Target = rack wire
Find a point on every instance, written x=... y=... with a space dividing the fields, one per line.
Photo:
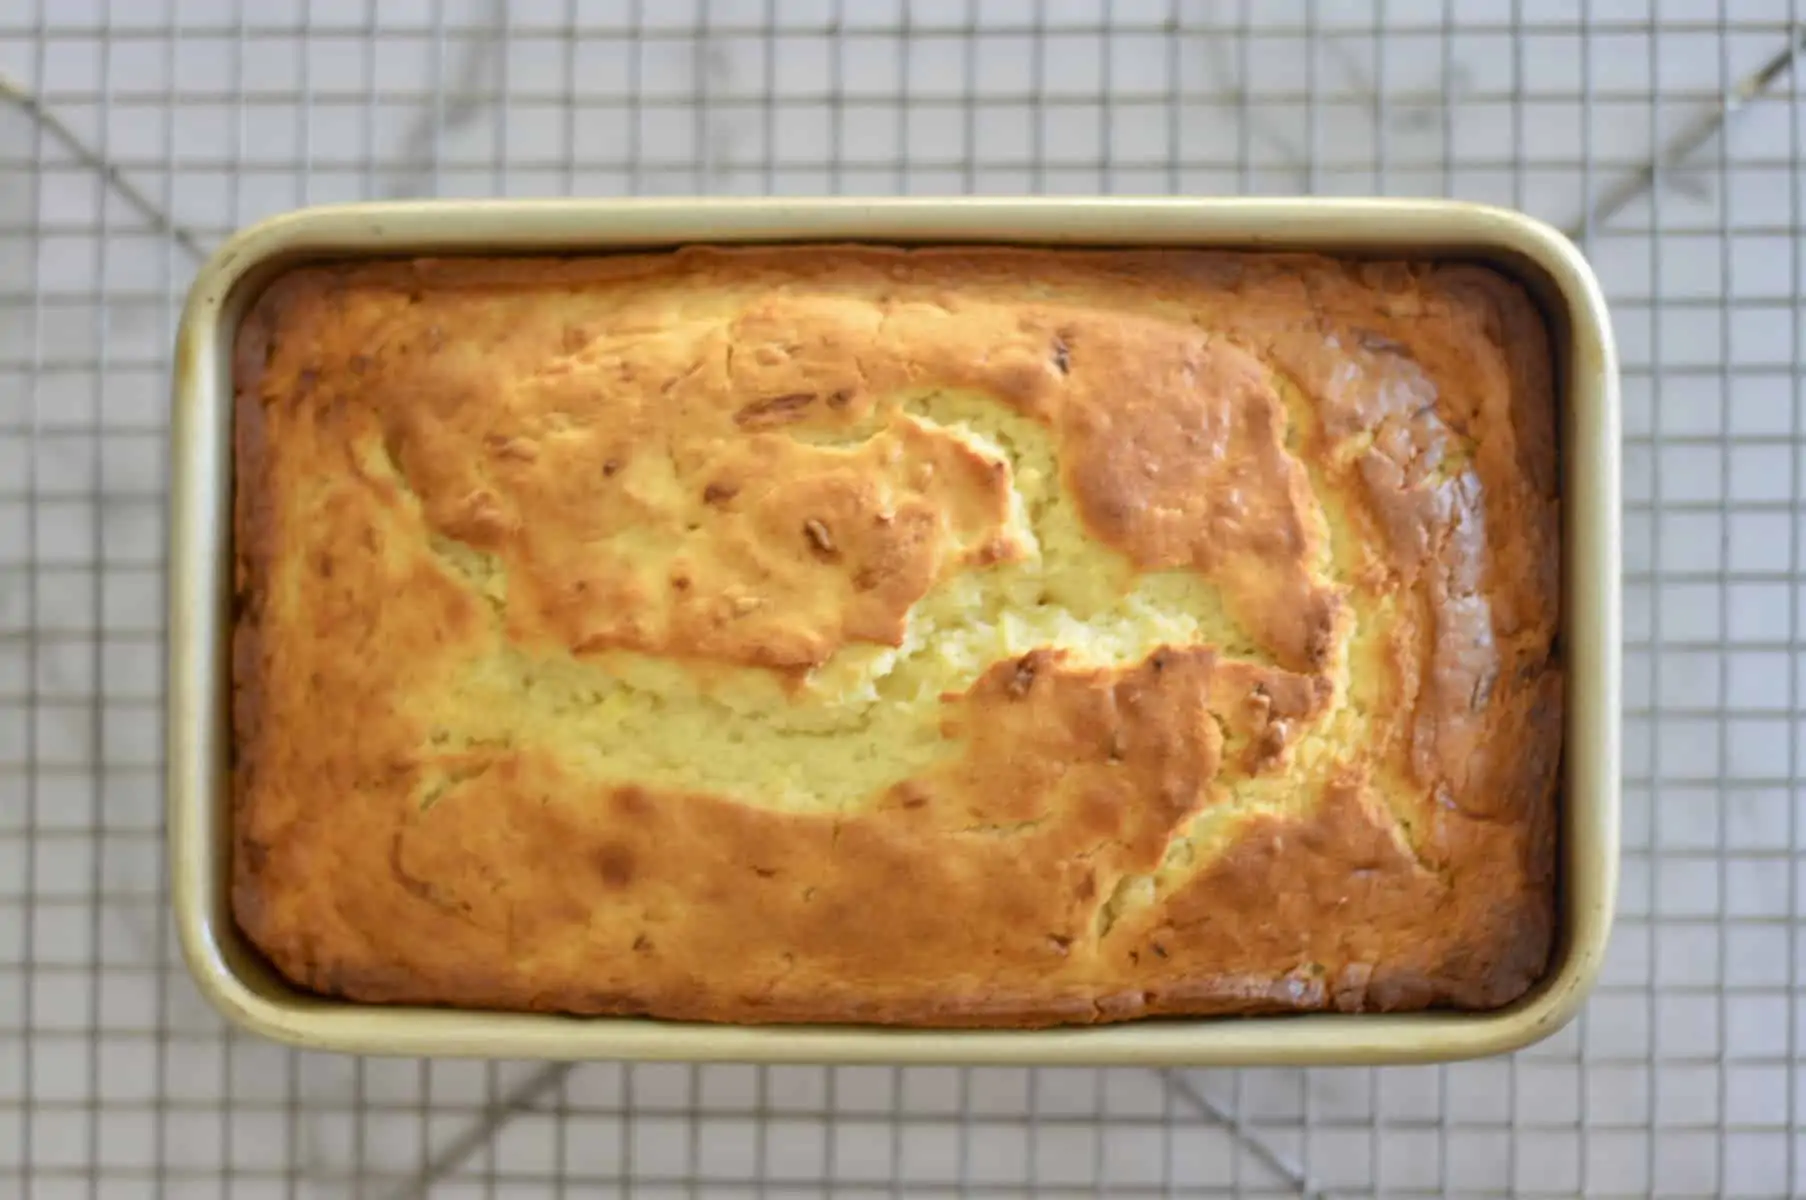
x=135 y=134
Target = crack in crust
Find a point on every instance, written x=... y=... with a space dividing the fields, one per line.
x=976 y=637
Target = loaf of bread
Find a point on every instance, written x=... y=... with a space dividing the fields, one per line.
x=984 y=637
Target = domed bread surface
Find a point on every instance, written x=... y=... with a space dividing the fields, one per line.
x=937 y=637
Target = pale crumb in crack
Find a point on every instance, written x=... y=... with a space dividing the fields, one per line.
x=456 y=777
x=1023 y=679
x=1130 y=892
x=480 y=571
x=872 y=715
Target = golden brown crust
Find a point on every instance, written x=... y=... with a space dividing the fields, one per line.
x=507 y=531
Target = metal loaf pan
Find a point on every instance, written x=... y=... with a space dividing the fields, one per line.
x=234 y=978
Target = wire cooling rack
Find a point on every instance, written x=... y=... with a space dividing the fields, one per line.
x=134 y=136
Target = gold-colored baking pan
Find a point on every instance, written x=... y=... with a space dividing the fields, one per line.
x=233 y=977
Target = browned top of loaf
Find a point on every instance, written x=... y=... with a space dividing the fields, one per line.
x=939 y=636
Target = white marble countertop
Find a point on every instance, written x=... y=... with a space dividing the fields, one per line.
x=1682 y=1078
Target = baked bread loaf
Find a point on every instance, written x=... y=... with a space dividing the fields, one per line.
x=940 y=637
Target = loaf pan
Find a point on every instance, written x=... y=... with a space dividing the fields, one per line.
x=231 y=974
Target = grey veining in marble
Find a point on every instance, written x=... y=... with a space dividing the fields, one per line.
x=125 y=152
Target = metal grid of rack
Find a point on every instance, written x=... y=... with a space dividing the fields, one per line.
x=1668 y=138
